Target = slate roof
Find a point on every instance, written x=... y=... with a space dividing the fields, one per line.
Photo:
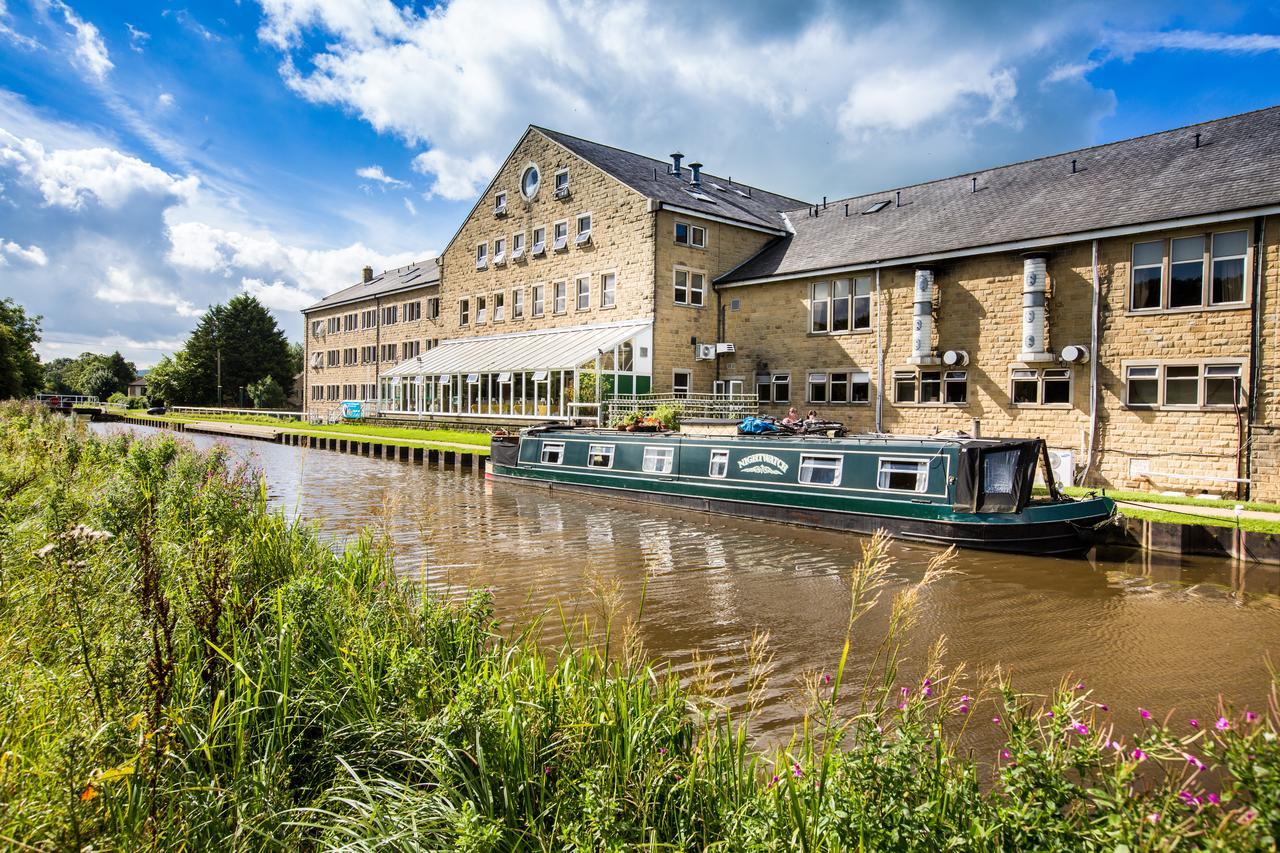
x=726 y=199
x=1147 y=179
x=388 y=281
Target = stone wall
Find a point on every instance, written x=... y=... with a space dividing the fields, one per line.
x=620 y=244
x=363 y=372
x=978 y=309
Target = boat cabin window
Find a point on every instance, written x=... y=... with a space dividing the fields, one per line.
x=658 y=460
x=820 y=470
x=552 y=452
x=600 y=456
x=999 y=473
x=903 y=475
x=719 y=466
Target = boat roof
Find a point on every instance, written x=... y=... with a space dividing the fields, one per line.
x=855 y=439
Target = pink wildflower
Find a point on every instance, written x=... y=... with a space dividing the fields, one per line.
x=1138 y=755
x=1005 y=754
x=1248 y=817
x=1250 y=717
x=1214 y=798
x=1194 y=723
x=1154 y=817
x=1223 y=724
x=1193 y=761
x=797 y=772
x=1080 y=728
x=1144 y=713
x=995 y=719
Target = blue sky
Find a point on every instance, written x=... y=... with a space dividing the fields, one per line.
x=157 y=159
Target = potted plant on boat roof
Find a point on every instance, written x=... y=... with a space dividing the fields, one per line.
x=630 y=421
x=667 y=417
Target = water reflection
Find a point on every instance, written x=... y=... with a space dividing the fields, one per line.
x=1141 y=629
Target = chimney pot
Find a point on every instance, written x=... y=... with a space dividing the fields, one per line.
x=676 y=157
x=368 y=274
x=696 y=176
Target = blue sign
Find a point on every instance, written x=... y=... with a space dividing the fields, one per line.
x=351 y=408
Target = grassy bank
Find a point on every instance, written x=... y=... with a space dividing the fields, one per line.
x=180 y=667
x=473 y=442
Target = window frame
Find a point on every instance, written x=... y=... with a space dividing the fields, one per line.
x=688 y=382
x=581 y=288
x=517 y=303
x=482 y=255
x=1203 y=377
x=538 y=300
x=721 y=456
x=560 y=297
x=608 y=295
x=656 y=452
x=555 y=183
x=809 y=462
x=517 y=252
x=1207 y=273
x=1212 y=263
x=922 y=474
x=556 y=245
x=689 y=274
x=607 y=450
x=553 y=446
x=499 y=251
x=464 y=312
x=538 y=248
x=579 y=232
x=690 y=230
x=1038 y=377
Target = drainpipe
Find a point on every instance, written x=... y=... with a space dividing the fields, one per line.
x=377 y=351
x=1255 y=351
x=719 y=329
x=1095 y=334
x=879 y=360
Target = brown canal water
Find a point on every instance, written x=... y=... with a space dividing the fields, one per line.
x=1140 y=630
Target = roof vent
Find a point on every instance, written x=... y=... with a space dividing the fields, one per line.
x=696 y=178
x=675 y=163
x=367 y=274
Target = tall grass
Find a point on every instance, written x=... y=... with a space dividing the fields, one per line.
x=182 y=668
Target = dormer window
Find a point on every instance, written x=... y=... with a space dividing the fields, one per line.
x=560 y=234
x=584 y=229
x=517 y=246
x=539 y=242
x=500 y=204
x=499 y=251
x=482 y=255
x=562 y=184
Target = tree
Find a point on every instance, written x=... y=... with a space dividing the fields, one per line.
x=99 y=382
x=242 y=335
x=266 y=393
x=72 y=375
x=55 y=376
x=20 y=370
x=296 y=355
x=164 y=382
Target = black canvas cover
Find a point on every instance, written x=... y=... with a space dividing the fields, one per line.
x=504 y=450
x=997 y=477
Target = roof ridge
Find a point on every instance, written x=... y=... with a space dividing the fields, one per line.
x=1043 y=157
x=659 y=162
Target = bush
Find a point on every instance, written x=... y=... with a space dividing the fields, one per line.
x=138 y=402
x=182 y=666
x=118 y=399
x=668 y=415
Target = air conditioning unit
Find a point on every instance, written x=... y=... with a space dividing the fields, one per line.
x=562 y=192
x=1062 y=463
x=705 y=352
x=722 y=348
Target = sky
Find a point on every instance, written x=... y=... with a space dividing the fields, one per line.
x=158 y=159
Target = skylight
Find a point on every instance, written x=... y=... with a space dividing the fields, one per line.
x=876 y=207
x=701 y=196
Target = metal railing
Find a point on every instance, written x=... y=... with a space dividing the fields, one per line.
x=710 y=406
x=214 y=410
x=68 y=399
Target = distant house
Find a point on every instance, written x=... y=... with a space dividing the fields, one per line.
x=138 y=387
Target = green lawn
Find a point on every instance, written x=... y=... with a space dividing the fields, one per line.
x=1177 y=500
x=399 y=436
x=1172 y=516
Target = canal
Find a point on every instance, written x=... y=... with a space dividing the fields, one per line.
x=1140 y=630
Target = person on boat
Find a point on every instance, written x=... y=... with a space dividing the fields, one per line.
x=812 y=418
x=792 y=418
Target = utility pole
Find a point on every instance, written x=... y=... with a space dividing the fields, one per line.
x=217 y=342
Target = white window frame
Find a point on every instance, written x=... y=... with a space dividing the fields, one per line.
x=538 y=248
x=517 y=245
x=1133 y=269
x=556 y=185
x=688 y=382
x=605 y=450
x=464 y=312
x=689 y=290
x=584 y=234
x=1157 y=371
x=1213 y=260
x=922 y=474
x=482 y=255
x=560 y=243
x=499 y=302
x=482 y=310
x=810 y=462
x=559 y=297
x=538 y=300
x=500 y=201
x=718 y=465
x=695 y=235
x=899 y=375
x=1207 y=273
x=551 y=448
x=517 y=303
x=499 y=251
x=581 y=293
x=608 y=290
x=530 y=196
x=658 y=460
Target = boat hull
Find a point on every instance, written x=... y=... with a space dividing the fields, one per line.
x=1074 y=535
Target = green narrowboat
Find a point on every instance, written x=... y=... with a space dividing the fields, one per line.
x=974 y=493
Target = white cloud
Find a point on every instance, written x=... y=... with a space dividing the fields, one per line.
x=900 y=99
x=32 y=254
x=165 y=100
x=91 y=51
x=277 y=294
x=410 y=206
x=137 y=38
x=70 y=177
x=456 y=178
x=1126 y=46
x=375 y=173
x=123 y=287
x=13 y=35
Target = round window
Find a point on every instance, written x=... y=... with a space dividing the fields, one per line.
x=529 y=181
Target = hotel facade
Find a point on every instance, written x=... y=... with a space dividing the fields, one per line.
x=1121 y=301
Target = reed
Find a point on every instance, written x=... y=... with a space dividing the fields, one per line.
x=180 y=667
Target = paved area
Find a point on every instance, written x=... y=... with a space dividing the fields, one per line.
x=226 y=428
x=1225 y=509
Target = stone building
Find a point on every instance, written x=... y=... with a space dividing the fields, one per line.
x=352 y=336
x=1121 y=301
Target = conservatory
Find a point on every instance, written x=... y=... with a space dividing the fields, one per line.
x=550 y=373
